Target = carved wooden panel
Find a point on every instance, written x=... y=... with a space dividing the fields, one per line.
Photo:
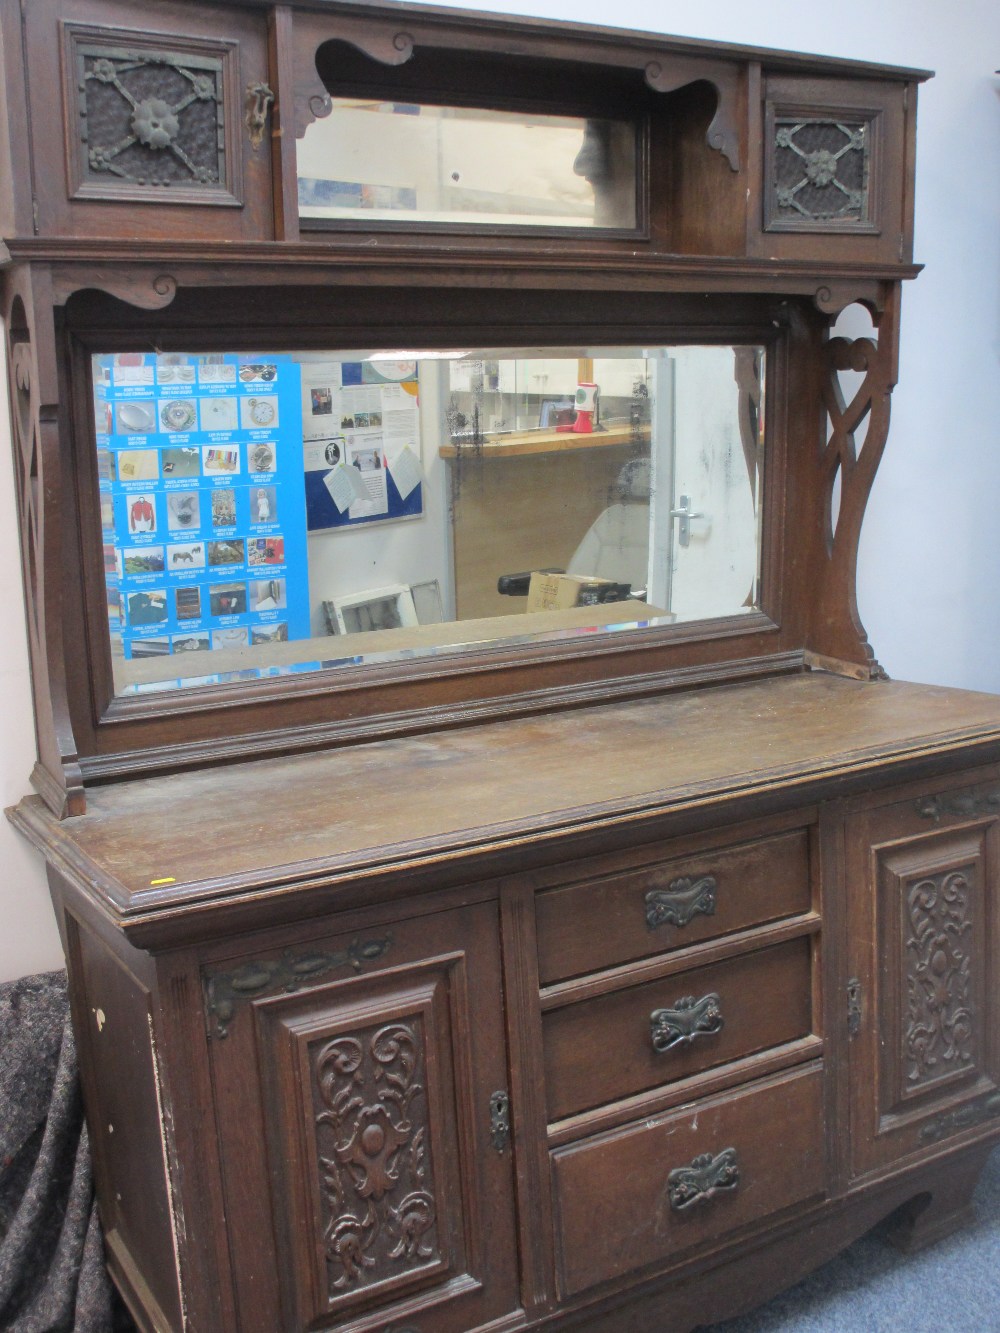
x=150 y=121
x=379 y=1210
x=822 y=161
x=917 y=1017
x=372 y=1134
x=933 y=919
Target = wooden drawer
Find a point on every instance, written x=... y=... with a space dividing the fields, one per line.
x=621 y=1204
x=670 y=903
x=637 y=1038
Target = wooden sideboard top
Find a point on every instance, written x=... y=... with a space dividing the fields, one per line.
x=155 y=845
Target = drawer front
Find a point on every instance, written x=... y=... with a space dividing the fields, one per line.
x=670 y=904
x=642 y=1195
x=644 y=1036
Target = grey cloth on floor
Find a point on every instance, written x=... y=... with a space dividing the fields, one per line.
x=52 y=1274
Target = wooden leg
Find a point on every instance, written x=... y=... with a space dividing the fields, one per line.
x=940 y=1210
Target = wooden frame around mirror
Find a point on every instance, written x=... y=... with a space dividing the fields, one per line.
x=125 y=734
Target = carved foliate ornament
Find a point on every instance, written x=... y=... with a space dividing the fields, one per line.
x=939 y=1028
x=372 y=1140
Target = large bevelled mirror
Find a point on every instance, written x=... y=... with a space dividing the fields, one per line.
x=273 y=513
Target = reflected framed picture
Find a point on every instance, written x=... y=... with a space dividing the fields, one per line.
x=378 y=608
x=555 y=412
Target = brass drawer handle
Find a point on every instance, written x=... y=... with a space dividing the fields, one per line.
x=680 y=901
x=702 y=1178
x=689 y=1018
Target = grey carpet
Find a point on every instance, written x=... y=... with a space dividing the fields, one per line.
x=51 y=1255
x=951 y=1287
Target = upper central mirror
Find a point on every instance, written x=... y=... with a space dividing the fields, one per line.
x=373 y=160
x=285 y=512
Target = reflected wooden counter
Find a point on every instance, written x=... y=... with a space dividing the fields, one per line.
x=525 y=501
x=521 y=444
x=348 y=649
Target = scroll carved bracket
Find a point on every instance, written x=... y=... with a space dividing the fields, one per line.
x=144 y=291
x=834 y=297
x=36 y=416
x=312 y=99
x=666 y=76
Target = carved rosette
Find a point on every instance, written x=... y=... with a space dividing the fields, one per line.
x=939 y=1029
x=372 y=1140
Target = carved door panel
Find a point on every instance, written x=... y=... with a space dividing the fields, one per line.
x=163 y=115
x=371 y=1146
x=923 y=877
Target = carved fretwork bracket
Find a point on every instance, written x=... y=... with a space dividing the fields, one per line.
x=45 y=508
x=143 y=288
x=847 y=472
x=386 y=45
x=666 y=76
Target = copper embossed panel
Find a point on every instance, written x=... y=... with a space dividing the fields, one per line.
x=821 y=169
x=151 y=122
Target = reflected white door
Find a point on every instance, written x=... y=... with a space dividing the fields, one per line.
x=704 y=562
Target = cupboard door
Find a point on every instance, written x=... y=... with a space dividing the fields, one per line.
x=837 y=163
x=164 y=117
x=925 y=1062
x=390 y=1195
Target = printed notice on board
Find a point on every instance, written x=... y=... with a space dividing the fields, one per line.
x=363 y=417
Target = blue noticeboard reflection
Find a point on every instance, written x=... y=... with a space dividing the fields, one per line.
x=202 y=500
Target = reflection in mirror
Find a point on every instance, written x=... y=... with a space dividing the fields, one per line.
x=393 y=161
x=288 y=512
